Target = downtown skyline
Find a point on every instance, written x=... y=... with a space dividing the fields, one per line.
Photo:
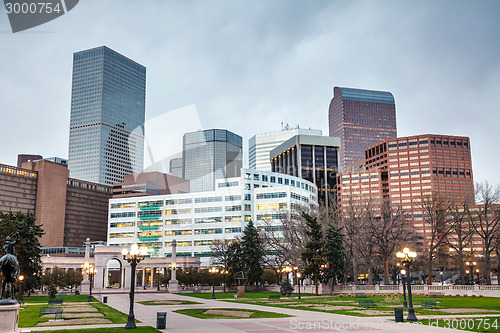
x=250 y=66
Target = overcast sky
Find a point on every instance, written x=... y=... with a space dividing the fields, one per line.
x=247 y=66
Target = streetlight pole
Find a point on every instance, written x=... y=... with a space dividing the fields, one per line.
x=477 y=273
x=91 y=272
x=287 y=269
x=21 y=278
x=298 y=282
x=213 y=270
x=407 y=256
x=224 y=272
x=471 y=265
x=403 y=273
x=133 y=260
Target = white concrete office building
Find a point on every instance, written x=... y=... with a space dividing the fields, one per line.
x=195 y=220
x=260 y=145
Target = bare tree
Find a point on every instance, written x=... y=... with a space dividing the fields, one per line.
x=435 y=209
x=389 y=231
x=283 y=239
x=220 y=253
x=460 y=236
x=485 y=220
x=352 y=222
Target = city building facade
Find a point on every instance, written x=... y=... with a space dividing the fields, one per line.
x=68 y=209
x=150 y=183
x=195 y=220
x=411 y=172
x=106 y=139
x=310 y=157
x=260 y=145
x=360 y=118
x=210 y=155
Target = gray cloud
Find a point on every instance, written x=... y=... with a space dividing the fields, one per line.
x=249 y=65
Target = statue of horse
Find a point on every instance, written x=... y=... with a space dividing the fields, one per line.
x=9 y=267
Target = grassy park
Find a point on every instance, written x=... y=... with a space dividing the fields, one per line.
x=79 y=313
x=227 y=313
x=384 y=304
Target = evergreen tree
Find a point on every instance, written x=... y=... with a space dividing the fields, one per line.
x=247 y=255
x=252 y=254
x=313 y=252
x=28 y=247
x=335 y=254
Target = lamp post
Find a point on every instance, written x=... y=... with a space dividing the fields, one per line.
x=91 y=272
x=224 y=272
x=213 y=270
x=133 y=259
x=298 y=282
x=407 y=257
x=477 y=274
x=471 y=265
x=21 y=278
x=287 y=269
x=403 y=273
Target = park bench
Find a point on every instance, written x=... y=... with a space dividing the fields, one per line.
x=274 y=297
x=56 y=301
x=196 y=291
x=367 y=302
x=435 y=294
x=55 y=310
x=430 y=304
x=360 y=294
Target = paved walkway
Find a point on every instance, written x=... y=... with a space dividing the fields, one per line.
x=303 y=321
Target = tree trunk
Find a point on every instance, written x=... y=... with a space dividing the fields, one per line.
x=487 y=267
x=354 y=271
x=386 y=271
x=497 y=250
x=316 y=283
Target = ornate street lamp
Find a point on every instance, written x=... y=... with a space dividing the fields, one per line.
x=21 y=278
x=298 y=282
x=403 y=273
x=471 y=265
x=407 y=257
x=477 y=273
x=87 y=268
x=213 y=271
x=133 y=259
x=224 y=272
x=287 y=269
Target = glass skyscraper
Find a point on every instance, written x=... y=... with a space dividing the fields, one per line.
x=209 y=155
x=106 y=138
x=360 y=118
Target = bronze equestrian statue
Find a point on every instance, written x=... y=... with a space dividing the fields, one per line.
x=9 y=267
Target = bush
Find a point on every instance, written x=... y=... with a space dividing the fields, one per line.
x=286 y=287
x=458 y=295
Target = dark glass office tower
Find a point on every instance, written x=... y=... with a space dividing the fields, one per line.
x=209 y=155
x=106 y=139
x=310 y=157
x=360 y=118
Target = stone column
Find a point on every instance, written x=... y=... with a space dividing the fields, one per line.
x=173 y=284
x=85 y=286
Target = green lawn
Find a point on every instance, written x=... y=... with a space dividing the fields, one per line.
x=168 y=302
x=67 y=299
x=199 y=313
x=29 y=314
x=384 y=303
x=146 y=329
x=208 y=295
x=478 y=324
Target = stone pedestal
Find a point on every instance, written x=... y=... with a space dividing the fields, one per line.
x=241 y=291
x=9 y=317
x=173 y=286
